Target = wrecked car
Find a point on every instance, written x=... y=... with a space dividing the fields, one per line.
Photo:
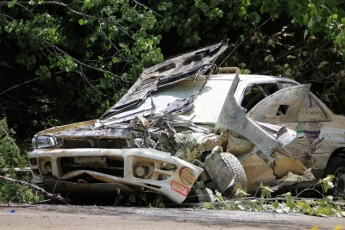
x=186 y=121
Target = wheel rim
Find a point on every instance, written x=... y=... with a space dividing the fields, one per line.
x=339 y=182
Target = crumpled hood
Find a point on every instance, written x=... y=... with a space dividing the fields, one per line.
x=170 y=71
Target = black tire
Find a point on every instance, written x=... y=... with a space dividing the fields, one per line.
x=236 y=172
x=336 y=167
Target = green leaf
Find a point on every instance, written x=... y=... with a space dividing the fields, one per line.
x=11 y=4
x=115 y=60
x=300 y=203
x=208 y=205
x=276 y=204
x=310 y=23
x=8 y=29
x=343 y=21
x=81 y=21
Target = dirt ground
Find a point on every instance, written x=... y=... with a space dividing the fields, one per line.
x=103 y=218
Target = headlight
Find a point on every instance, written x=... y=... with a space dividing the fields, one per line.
x=43 y=142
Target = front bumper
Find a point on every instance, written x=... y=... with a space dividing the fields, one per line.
x=135 y=169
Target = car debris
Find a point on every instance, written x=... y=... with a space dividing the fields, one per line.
x=181 y=123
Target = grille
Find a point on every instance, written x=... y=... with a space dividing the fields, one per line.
x=108 y=165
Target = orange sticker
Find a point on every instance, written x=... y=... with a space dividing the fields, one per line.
x=180 y=188
x=187 y=176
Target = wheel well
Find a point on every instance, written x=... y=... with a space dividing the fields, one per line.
x=339 y=152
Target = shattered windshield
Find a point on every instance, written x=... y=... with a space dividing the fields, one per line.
x=199 y=101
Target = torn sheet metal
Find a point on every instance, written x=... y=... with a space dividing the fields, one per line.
x=233 y=117
x=291 y=179
x=282 y=106
x=258 y=172
x=238 y=145
x=189 y=65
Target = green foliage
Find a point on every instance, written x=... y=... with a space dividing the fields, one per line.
x=325 y=207
x=265 y=191
x=15 y=193
x=326 y=183
x=9 y=152
x=11 y=157
x=87 y=53
x=302 y=40
x=77 y=58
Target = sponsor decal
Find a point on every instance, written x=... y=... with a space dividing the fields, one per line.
x=187 y=176
x=180 y=188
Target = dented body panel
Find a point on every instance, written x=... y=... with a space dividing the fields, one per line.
x=159 y=137
x=163 y=175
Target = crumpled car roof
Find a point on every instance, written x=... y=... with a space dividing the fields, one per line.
x=170 y=71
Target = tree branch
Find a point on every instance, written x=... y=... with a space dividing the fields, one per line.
x=21 y=182
x=79 y=62
x=148 y=8
x=245 y=39
x=16 y=86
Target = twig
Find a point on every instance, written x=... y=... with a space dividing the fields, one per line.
x=140 y=4
x=245 y=39
x=79 y=62
x=16 y=196
x=21 y=182
x=16 y=86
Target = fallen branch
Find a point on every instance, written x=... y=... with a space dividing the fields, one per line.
x=17 y=196
x=21 y=182
x=17 y=171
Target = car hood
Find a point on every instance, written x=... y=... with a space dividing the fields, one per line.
x=168 y=72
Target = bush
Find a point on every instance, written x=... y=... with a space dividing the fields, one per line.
x=11 y=157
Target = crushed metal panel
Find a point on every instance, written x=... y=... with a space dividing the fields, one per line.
x=282 y=106
x=302 y=147
x=283 y=164
x=58 y=129
x=312 y=110
x=173 y=70
x=233 y=117
x=257 y=171
x=265 y=136
x=199 y=95
x=283 y=135
x=238 y=145
x=292 y=178
x=174 y=183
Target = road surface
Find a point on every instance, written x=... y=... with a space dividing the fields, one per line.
x=105 y=218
